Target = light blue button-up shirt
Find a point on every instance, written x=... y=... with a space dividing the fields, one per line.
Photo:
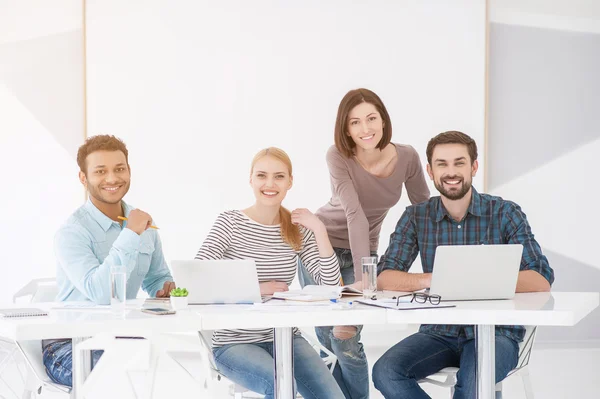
x=89 y=243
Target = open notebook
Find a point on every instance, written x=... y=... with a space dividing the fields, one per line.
x=22 y=312
x=317 y=293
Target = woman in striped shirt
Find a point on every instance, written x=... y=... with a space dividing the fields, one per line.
x=274 y=238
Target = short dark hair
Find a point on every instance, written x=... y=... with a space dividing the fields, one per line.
x=343 y=142
x=452 y=137
x=102 y=142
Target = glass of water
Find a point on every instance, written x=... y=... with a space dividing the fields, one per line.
x=369 y=276
x=118 y=285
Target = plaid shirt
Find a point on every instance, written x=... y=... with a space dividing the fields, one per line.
x=489 y=220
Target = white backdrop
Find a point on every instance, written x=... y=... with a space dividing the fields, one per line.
x=196 y=88
x=41 y=126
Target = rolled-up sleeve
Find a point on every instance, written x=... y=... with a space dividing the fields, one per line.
x=158 y=273
x=517 y=231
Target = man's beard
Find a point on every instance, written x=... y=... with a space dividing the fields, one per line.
x=455 y=194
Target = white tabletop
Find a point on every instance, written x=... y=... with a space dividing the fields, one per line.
x=257 y=316
x=89 y=321
x=541 y=309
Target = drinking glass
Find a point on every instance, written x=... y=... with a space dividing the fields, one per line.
x=369 y=276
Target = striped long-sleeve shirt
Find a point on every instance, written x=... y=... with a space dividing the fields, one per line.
x=235 y=236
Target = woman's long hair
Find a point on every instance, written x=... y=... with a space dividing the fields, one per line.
x=289 y=232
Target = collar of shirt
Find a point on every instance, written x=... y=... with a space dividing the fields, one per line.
x=474 y=207
x=104 y=221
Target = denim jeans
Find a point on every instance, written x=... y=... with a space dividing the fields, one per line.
x=58 y=360
x=352 y=369
x=251 y=365
x=396 y=373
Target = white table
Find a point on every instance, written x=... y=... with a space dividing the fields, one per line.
x=541 y=309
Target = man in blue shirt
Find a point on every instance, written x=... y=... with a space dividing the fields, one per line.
x=94 y=238
x=459 y=216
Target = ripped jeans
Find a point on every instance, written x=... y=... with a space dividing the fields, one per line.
x=352 y=370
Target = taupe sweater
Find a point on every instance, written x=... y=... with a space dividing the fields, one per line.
x=360 y=200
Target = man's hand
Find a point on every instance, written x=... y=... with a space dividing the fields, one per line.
x=306 y=218
x=138 y=221
x=166 y=290
x=269 y=287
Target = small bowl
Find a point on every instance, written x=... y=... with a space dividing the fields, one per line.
x=179 y=302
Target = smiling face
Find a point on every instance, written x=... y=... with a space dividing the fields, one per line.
x=365 y=126
x=270 y=180
x=451 y=170
x=107 y=176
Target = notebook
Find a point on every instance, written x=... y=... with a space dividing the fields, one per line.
x=317 y=293
x=402 y=305
x=22 y=312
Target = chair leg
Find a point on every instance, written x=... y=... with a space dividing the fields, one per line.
x=152 y=371
x=499 y=390
x=527 y=383
x=238 y=391
x=32 y=384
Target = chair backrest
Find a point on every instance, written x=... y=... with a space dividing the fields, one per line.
x=206 y=341
x=39 y=290
x=525 y=347
x=32 y=353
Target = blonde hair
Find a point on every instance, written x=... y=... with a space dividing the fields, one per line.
x=289 y=232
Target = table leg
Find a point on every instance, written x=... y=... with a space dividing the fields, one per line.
x=81 y=366
x=283 y=357
x=485 y=347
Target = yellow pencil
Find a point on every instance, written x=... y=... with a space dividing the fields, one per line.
x=122 y=218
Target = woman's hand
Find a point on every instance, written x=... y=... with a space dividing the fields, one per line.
x=306 y=218
x=269 y=287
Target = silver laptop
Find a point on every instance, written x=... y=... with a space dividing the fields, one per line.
x=471 y=272
x=217 y=281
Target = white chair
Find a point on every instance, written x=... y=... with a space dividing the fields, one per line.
x=39 y=290
x=236 y=390
x=447 y=376
x=9 y=354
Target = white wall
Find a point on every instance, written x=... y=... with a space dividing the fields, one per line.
x=41 y=125
x=196 y=88
x=544 y=135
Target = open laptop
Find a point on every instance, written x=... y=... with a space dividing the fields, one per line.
x=217 y=281
x=476 y=272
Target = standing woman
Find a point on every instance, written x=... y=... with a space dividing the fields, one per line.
x=275 y=239
x=367 y=172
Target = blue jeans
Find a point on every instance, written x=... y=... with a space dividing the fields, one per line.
x=396 y=373
x=58 y=360
x=251 y=365
x=352 y=369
